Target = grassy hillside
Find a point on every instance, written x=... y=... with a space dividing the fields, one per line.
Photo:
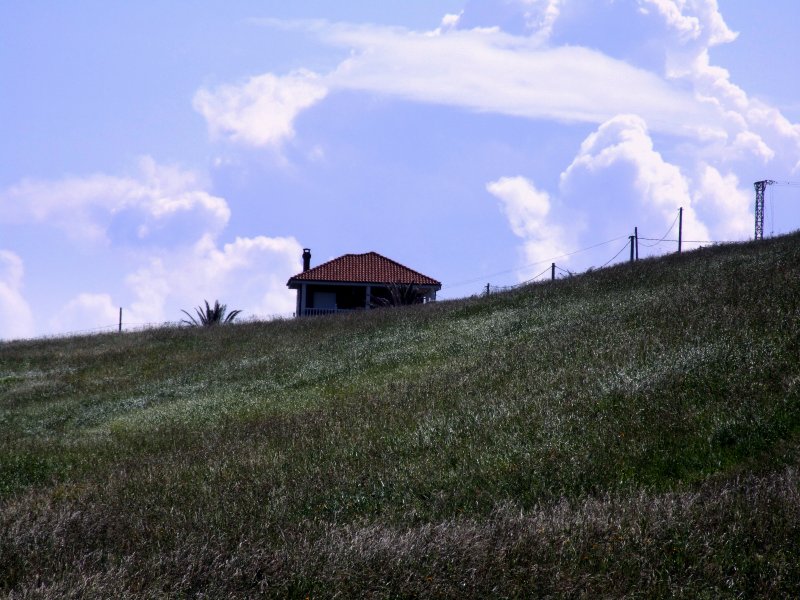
x=633 y=431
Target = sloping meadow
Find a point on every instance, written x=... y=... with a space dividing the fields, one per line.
x=628 y=432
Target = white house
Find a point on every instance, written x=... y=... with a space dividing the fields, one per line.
x=353 y=282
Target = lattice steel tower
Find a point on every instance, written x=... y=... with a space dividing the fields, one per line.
x=760 y=187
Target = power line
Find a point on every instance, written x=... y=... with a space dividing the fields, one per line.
x=550 y=260
x=587 y=248
x=617 y=254
x=532 y=279
x=772 y=211
x=695 y=241
x=663 y=237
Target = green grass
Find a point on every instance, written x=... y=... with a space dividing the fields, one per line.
x=629 y=432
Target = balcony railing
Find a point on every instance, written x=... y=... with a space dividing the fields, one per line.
x=315 y=312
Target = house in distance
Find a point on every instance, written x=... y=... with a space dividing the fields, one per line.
x=355 y=282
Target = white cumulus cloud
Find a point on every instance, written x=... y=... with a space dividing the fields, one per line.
x=486 y=69
x=165 y=228
x=619 y=166
x=16 y=318
x=248 y=274
x=262 y=110
x=87 y=208
x=541 y=16
x=687 y=26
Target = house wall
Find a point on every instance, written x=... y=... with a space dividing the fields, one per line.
x=347 y=297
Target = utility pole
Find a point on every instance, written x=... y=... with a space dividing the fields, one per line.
x=680 y=228
x=553 y=272
x=760 y=187
x=120 y=319
x=631 y=238
x=487 y=289
x=636 y=235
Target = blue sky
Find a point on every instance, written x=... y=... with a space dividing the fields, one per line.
x=153 y=155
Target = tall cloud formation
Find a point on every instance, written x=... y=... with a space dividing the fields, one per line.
x=753 y=126
x=619 y=159
x=655 y=126
x=658 y=187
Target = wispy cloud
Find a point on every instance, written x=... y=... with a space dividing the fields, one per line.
x=484 y=70
x=490 y=71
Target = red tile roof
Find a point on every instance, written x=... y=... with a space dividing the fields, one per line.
x=363 y=268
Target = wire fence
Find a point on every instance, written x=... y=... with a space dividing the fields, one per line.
x=130 y=327
x=632 y=242
x=115 y=328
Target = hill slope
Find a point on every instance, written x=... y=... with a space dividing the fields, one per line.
x=632 y=431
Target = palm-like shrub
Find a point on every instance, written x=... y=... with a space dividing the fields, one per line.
x=213 y=315
x=399 y=295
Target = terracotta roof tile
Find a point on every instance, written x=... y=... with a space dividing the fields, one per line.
x=363 y=268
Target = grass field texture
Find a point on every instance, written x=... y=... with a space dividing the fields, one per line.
x=630 y=432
